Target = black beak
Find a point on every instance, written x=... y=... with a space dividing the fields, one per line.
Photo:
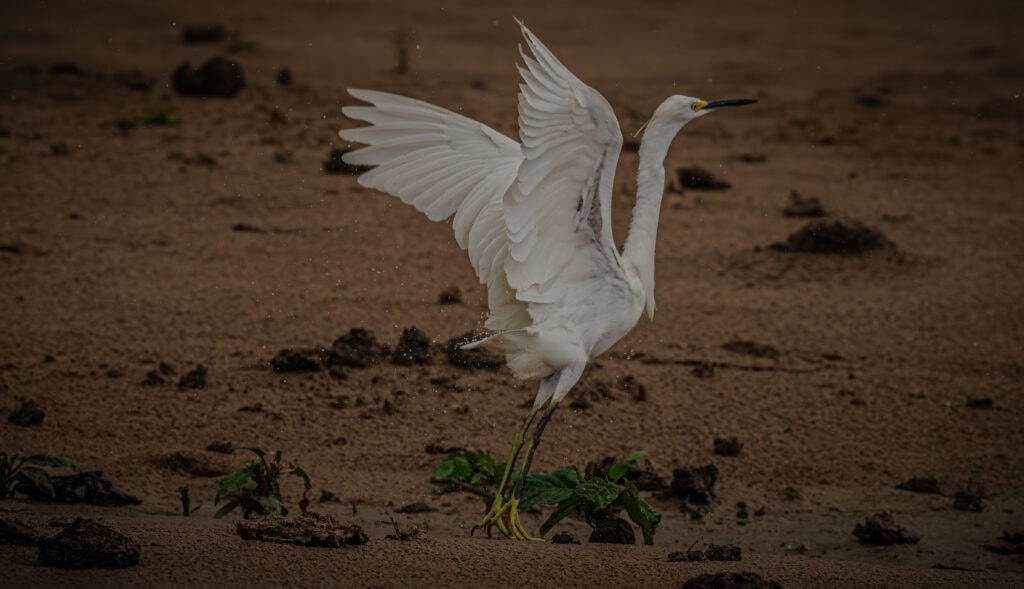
x=728 y=102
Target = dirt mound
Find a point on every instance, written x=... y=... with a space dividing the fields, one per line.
x=215 y=78
x=695 y=485
x=313 y=529
x=840 y=236
x=358 y=348
x=88 y=544
x=412 y=348
x=881 y=529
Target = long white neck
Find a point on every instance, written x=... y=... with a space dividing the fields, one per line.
x=650 y=187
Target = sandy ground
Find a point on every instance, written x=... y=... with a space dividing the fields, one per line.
x=121 y=251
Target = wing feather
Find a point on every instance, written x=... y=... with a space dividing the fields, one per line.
x=444 y=164
x=524 y=213
x=571 y=142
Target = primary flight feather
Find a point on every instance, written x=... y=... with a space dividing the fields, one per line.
x=535 y=218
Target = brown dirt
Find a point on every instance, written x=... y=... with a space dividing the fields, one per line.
x=123 y=265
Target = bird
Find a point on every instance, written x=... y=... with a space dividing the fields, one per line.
x=535 y=219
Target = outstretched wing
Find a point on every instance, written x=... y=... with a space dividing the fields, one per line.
x=444 y=164
x=536 y=218
x=558 y=211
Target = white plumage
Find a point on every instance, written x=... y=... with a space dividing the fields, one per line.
x=534 y=216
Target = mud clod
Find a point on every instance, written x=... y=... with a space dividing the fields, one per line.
x=633 y=388
x=194 y=379
x=29 y=414
x=980 y=403
x=970 y=498
x=698 y=178
x=284 y=76
x=221 y=447
x=413 y=348
x=842 y=237
x=881 y=529
x=920 y=485
x=83 y=487
x=743 y=580
x=15 y=533
x=450 y=296
x=803 y=207
x=196 y=466
x=695 y=485
x=313 y=529
x=299 y=360
x=217 y=77
x=66 y=68
x=211 y=33
x=358 y=348
x=1009 y=543
x=703 y=371
x=88 y=544
x=730 y=446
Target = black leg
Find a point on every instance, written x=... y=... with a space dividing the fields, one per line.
x=518 y=491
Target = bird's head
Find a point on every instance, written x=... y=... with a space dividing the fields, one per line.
x=684 y=109
x=679 y=109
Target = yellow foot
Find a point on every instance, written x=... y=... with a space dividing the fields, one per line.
x=504 y=515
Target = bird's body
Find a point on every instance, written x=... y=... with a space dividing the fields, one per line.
x=535 y=218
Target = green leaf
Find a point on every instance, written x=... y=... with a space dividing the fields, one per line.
x=638 y=517
x=36 y=478
x=445 y=469
x=161 y=116
x=617 y=471
x=228 y=507
x=546 y=489
x=462 y=469
x=642 y=514
x=50 y=460
x=564 y=509
x=636 y=455
x=484 y=464
x=652 y=516
x=599 y=492
x=233 y=482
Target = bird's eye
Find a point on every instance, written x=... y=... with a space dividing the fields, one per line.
x=695 y=106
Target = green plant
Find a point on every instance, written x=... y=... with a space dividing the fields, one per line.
x=19 y=473
x=599 y=499
x=256 y=487
x=161 y=116
x=471 y=467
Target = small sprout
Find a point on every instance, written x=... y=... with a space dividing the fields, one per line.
x=256 y=486
x=185 y=506
x=24 y=474
x=469 y=467
x=161 y=116
x=599 y=499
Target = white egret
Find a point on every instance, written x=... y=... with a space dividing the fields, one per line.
x=535 y=218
